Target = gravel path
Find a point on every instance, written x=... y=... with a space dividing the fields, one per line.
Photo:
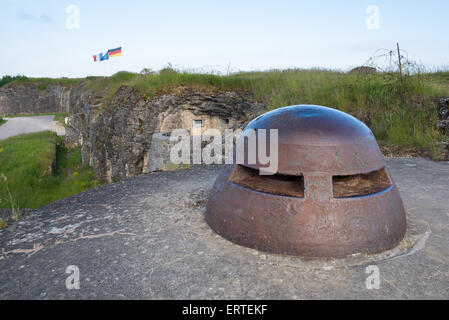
x=146 y=238
x=19 y=125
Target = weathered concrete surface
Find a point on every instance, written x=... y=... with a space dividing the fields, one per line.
x=116 y=141
x=16 y=126
x=162 y=145
x=145 y=237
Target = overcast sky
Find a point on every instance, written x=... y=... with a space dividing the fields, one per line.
x=39 y=38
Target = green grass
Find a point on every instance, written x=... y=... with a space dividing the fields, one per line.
x=60 y=117
x=41 y=83
x=25 y=161
x=399 y=113
x=2 y=121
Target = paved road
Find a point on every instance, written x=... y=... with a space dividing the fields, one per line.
x=146 y=237
x=19 y=125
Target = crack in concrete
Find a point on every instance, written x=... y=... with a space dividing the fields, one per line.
x=419 y=244
x=37 y=247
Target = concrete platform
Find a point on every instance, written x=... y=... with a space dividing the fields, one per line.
x=146 y=238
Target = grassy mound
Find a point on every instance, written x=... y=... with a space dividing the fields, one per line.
x=401 y=112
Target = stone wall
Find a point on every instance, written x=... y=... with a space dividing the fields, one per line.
x=117 y=141
x=51 y=98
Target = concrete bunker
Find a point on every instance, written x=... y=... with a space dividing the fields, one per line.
x=196 y=125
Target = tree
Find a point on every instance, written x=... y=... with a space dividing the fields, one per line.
x=6 y=79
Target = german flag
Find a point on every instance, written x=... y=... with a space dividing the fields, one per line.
x=115 y=52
